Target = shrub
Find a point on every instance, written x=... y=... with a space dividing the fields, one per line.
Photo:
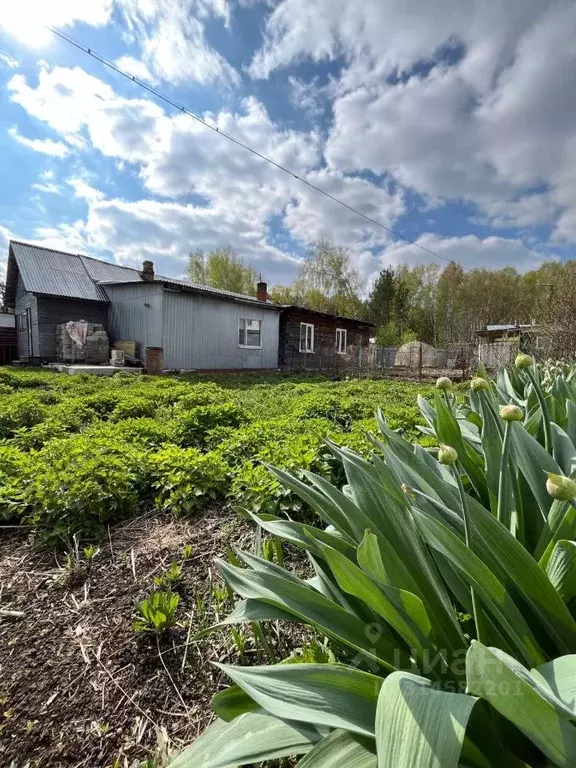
x=185 y=479
x=14 y=471
x=341 y=411
x=256 y=489
x=80 y=484
x=148 y=433
x=22 y=409
x=192 y=426
x=133 y=407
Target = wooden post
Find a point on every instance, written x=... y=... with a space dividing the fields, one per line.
x=420 y=361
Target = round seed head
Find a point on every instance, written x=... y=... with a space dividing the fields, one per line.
x=447 y=455
x=561 y=487
x=512 y=412
x=523 y=361
x=444 y=383
x=479 y=384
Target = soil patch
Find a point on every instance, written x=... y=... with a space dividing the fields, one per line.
x=78 y=686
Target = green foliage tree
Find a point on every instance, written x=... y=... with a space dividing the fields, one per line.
x=222 y=269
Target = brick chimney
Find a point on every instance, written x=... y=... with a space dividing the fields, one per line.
x=147 y=272
x=262 y=291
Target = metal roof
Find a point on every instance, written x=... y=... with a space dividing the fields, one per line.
x=76 y=276
x=55 y=273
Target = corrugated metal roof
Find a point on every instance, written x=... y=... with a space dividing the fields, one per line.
x=76 y=276
x=55 y=273
x=105 y=271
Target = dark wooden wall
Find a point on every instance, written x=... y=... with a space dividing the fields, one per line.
x=53 y=311
x=324 y=357
x=26 y=301
x=8 y=345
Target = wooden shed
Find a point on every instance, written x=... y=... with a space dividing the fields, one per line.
x=312 y=340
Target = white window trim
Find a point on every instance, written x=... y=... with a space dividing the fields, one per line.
x=248 y=346
x=339 y=332
x=311 y=350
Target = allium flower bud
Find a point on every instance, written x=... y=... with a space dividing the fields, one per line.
x=447 y=454
x=523 y=361
x=561 y=487
x=511 y=413
x=478 y=384
x=444 y=383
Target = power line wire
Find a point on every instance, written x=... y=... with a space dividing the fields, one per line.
x=159 y=95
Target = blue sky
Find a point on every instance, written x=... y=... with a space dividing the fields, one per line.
x=452 y=123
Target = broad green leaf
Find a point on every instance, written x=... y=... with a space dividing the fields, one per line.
x=403 y=610
x=250 y=738
x=563 y=448
x=305 y=536
x=533 y=461
x=386 y=504
x=519 y=572
x=341 y=749
x=417 y=725
x=561 y=569
x=338 y=515
x=449 y=433
x=511 y=690
x=492 y=593
x=571 y=420
x=379 y=560
x=309 y=606
x=232 y=702
x=559 y=677
x=331 y=695
x=561 y=524
x=492 y=448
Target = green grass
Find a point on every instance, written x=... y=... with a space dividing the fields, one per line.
x=83 y=451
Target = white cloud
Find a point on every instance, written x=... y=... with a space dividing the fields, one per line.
x=136 y=68
x=171 y=37
x=26 y=19
x=44 y=146
x=47 y=187
x=470 y=251
x=495 y=128
x=84 y=191
x=8 y=61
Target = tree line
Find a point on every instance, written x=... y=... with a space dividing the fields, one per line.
x=438 y=304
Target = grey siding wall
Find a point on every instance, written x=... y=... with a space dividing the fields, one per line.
x=53 y=311
x=23 y=302
x=135 y=314
x=200 y=332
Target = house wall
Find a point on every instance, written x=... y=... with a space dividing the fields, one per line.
x=135 y=314
x=200 y=332
x=324 y=356
x=51 y=311
x=27 y=301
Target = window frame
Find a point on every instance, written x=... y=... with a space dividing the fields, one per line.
x=341 y=332
x=306 y=350
x=252 y=320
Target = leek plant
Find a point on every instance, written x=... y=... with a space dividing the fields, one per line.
x=416 y=542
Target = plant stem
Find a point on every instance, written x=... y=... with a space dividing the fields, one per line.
x=504 y=478
x=465 y=515
x=543 y=408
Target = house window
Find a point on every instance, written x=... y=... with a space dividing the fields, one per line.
x=249 y=333
x=22 y=321
x=306 y=337
x=341 y=340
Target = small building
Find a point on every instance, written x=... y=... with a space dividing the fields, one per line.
x=8 y=347
x=196 y=327
x=499 y=344
x=311 y=340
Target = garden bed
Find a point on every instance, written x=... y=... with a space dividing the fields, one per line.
x=79 y=687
